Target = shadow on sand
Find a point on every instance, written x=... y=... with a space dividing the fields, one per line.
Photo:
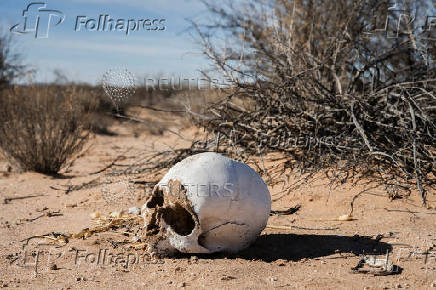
x=292 y=247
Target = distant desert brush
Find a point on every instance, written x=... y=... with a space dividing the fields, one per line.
x=43 y=127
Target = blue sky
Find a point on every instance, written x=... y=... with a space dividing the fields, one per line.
x=85 y=55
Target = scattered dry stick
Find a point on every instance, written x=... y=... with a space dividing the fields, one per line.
x=9 y=199
x=105 y=224
x=288 y=228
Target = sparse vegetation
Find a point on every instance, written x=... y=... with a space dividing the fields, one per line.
x=11 y=66
x=323 y=86
x=43 y=127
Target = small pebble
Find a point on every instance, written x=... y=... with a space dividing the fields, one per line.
x=182 y=285
x=115 y=214
x=135 y=211
x=194 y=259
x=95 y=215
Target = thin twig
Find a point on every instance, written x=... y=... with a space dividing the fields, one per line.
x=9 y=199
x=300 y=228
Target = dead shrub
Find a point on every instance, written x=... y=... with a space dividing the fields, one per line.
x=346 y=87
x=43 y=127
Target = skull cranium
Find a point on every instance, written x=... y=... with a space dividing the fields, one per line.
x=206 y=203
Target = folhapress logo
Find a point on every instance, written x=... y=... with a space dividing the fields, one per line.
x=38 y=19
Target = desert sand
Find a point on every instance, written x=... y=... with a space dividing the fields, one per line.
x=313 y=250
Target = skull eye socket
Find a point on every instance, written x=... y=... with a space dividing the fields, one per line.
x=179 y=219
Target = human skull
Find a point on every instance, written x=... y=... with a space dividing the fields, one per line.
x=206 y=203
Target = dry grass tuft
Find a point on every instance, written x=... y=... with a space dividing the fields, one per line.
x=42 y=128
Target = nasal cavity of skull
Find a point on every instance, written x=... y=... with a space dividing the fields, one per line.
x=179 y=219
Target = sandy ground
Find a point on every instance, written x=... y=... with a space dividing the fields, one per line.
x=317 y=252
